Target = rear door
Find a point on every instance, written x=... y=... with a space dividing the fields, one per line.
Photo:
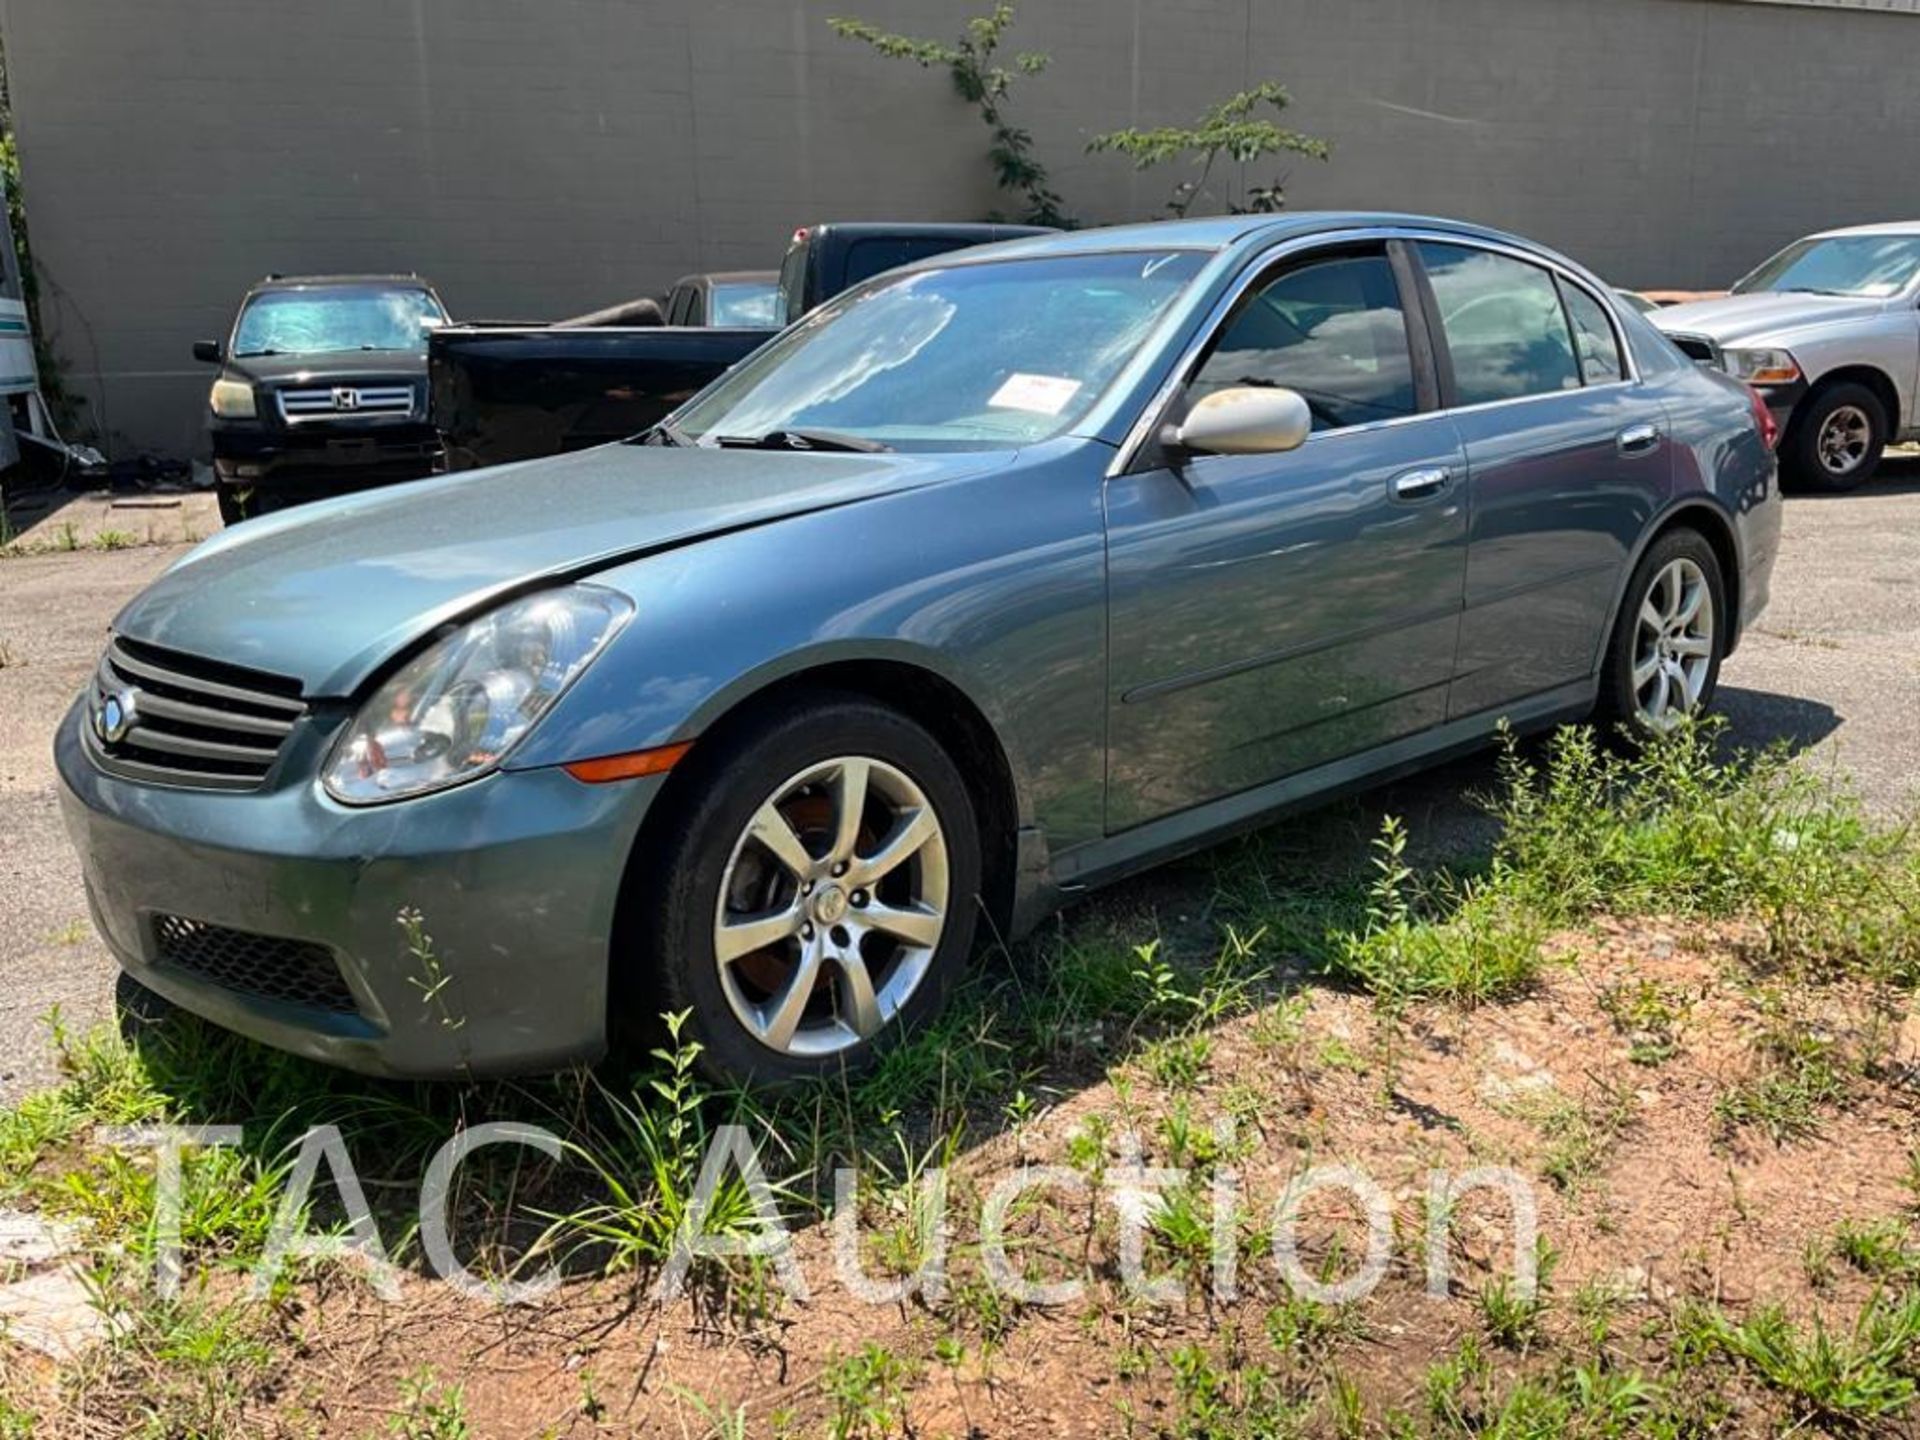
x=1269 y=613
x=1567 y=459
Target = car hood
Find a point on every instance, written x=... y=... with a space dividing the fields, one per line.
x=329 y=593
x=1764 y=315
x=322 y=367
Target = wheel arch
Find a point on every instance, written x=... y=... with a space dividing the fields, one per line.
x=931 y=699
x=1716 y=526
x=1871 y=376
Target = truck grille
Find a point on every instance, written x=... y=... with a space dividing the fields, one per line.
x=179 y=720
x=337 y=402
x=295 y=972
x=1695 y=348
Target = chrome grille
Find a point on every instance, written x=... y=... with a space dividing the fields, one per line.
x=336 y=402
x=180 y=720
x=295 y=972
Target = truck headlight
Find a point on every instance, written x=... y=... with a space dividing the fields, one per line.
x=1762 y=367
x=232 y=399
x=456 y=710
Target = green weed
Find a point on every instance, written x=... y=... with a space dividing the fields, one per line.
x=1858 y=1377
x=429 y=1410
x=867 y=1390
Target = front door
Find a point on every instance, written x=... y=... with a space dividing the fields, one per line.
x=1269 y=613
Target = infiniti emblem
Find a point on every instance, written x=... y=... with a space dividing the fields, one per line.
x=345 y=397
x=117 y=715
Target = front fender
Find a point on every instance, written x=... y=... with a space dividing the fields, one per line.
x=995 y=584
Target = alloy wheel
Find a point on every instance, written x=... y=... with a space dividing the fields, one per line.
x=831 y=906
x=1845 y=437
x=1673 y=645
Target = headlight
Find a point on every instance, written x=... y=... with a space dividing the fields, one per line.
x=454 y=711
x=1762 y=367
x=232 y=399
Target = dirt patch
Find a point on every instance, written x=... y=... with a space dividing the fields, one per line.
x=1608 y=1088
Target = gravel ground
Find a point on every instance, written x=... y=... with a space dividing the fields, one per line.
x=1833 y=668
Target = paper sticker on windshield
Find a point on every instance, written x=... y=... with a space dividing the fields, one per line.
x=1040 y=394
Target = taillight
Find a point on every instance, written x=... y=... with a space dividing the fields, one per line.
x=1763 y=418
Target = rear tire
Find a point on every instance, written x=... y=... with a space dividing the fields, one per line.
x=233 y=508
x=1663 y=660
x=1835 y=440
x=838 y=979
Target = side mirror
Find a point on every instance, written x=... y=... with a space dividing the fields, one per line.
x=1243 y=420
x=207 y=350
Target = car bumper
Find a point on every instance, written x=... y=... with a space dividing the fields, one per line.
x=312 y=466
x=516 y=878
x=1780 y=400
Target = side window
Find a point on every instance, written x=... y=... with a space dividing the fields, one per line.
x=1505 y=330
x=1330 y=328
x=696 y=307
x=1593 y=336
x=677 y=306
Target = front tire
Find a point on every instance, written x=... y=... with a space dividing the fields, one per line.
x=1663 y=661
x=816 y=898
x=234 y=507
x=1835 y=442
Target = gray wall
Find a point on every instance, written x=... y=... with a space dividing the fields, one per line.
x=544 y=157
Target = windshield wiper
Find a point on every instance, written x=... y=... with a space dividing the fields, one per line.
x=802 y=440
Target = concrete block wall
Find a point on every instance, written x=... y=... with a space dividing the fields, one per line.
x=544 y=157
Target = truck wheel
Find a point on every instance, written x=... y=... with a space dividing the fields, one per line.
x=1834 y=443
x=235 y=506
x=815 y=900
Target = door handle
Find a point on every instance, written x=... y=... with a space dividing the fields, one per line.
x=1420 y=484
x=1638 y=439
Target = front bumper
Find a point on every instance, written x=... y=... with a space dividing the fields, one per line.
x=321 y=460
x=1780 y=400
x=516 y=878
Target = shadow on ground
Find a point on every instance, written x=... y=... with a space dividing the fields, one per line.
x=56 y=518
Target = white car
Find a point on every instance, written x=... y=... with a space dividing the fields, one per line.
x=1828 y=331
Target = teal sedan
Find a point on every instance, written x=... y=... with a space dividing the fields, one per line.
x=997 y=578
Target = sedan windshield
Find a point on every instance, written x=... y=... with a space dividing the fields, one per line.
x=982 y=356
x=1872 y=266
x=304 y=322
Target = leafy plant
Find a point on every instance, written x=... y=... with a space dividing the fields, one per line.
x=984 y=83
x=867 y=1391
x=1855 y=1377
x=431 y=1411
x=1233 y=130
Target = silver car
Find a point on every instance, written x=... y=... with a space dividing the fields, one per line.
x=993 y=580
x=1829 y=331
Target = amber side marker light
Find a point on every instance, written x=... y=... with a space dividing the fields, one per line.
x=630 y=766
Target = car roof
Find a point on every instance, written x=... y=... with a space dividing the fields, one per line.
x=1221 y=232
x=316 y=282
x=928 y=229
x=730 y=277
x=1883 y=227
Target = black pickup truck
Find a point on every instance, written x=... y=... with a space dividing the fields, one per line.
x=513 y=392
